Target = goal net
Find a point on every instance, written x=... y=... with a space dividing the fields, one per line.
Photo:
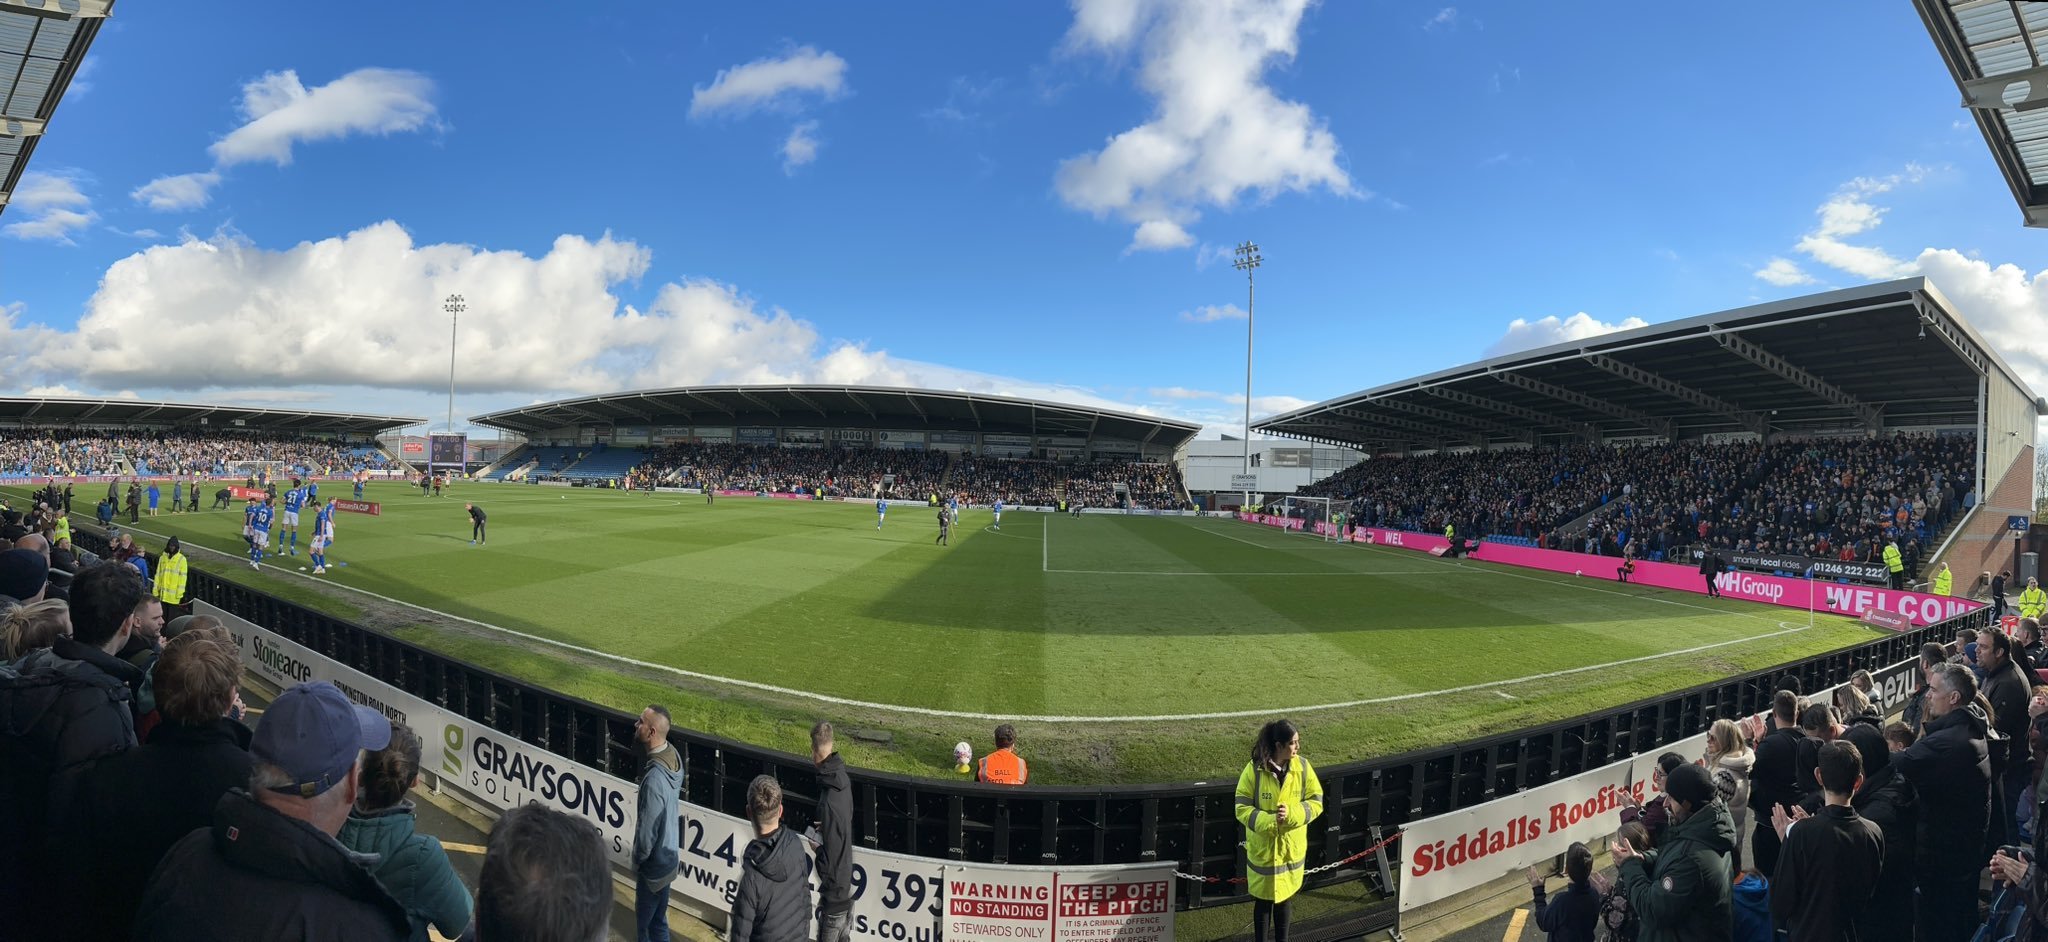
x=1321 y=517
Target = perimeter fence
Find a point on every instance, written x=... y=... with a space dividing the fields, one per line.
x=1366 y=803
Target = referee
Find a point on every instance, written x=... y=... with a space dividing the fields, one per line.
x=476 y=524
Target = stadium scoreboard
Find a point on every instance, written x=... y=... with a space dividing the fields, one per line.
x=448 y=453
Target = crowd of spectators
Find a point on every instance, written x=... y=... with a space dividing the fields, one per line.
x=858 y=472
x=1822 y=498
x=179 y=452
x=1829 y=498
x=1832 y=824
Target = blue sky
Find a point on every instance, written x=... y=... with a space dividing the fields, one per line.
x=1036 y=200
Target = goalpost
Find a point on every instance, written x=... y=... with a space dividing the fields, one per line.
x=1315 y=510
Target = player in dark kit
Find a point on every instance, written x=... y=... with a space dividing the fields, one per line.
x=476 y=524
x=945 y=527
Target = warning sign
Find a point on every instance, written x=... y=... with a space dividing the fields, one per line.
x=1109 y=904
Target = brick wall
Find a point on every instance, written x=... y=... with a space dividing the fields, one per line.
x=1984 y=544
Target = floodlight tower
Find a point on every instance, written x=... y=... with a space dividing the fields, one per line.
x=454 y=306
x=1248 y=260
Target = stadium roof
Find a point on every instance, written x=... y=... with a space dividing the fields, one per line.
x=842 y=407
x=30 y=410
x=1880 y=356
x=42 y=44
x=1994 y=49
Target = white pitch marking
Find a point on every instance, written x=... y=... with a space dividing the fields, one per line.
x=1787 y=628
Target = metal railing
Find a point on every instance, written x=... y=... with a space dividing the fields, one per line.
x=1190 y=824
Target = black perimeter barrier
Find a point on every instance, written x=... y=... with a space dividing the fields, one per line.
x=1192 y=824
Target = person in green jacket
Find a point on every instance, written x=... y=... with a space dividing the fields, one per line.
x=413 y=866
x=1896 y=564
x=1944 y=581
x=1680 y=891
x=1278 y=794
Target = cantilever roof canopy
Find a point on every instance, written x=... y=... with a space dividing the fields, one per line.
x=842 y=407
x=1879 y=356
x=42 y=44
x=1995 y=50
x=47 y=411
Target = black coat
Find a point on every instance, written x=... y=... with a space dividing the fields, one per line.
x=257 y=874
x=1570 y=916
x=132 y=807
x=1950 y=762
x=1827 y=871
x=62 y=709
x=1887 y=800
x=774 y=899
x=2008 y=691
x=1773 y=780
x=835 y=835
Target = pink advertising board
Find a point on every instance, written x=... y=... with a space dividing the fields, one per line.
x=1833 y=597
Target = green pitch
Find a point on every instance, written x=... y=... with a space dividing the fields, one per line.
x=1124 y=648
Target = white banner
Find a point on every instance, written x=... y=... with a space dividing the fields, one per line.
x=896 y=898
x=1452 y=853
x=1130 y=903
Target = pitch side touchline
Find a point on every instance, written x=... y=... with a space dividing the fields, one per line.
x=1786 y=629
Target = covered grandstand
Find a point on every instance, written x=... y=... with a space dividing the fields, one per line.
x=1994 y=50
x=42 y=47
x=1860 y=362
x=596 y=437
x=64 y=412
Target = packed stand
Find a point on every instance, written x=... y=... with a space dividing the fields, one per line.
x=1822 y=498
x=848 y=472
x=1843 y=499
x=179 y=452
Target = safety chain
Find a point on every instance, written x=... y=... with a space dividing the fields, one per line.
x=1389 y=839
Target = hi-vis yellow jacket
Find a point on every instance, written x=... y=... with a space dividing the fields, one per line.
x=1944 y=582
x=2033 y=602
x=1892 y=560
x=170 y=578
x=1275 y=853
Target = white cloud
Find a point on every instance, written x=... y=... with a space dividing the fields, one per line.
x=1850 y=212
x=184 y=191
x=1211 y=313
x=2006 y=303
x=1530 y=335
x=801 y=147
x=279 y=112
x=1784 y=272
x=1157 y=235
x=1217 y=130
x=1446 y=19
x=770 y=82
x=55 y=206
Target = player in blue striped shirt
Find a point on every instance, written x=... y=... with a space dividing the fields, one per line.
x=256 y=525
x=294 y=500
x=323 y=534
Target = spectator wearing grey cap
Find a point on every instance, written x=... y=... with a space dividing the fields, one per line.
x=1681 y=890
x=272 y=848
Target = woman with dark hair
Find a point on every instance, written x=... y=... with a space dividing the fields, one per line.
x=413 y=866
x=1278 y=794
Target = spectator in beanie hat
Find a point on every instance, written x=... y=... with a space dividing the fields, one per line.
x=1681 y=891
x=22 y=576
x=271 y=848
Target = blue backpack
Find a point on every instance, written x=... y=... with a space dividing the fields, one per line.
x=1752 y=906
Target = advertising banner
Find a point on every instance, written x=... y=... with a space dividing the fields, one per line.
x=370 y=507
x=629 y=435
x=246 y=493
x=1833 y=598
x=413 y=448
x=670 y=434
x=1132 y=903
x=1452 y=853
x=1874 y=573
x=757 y=436
x=803 y=436
x=953 y=438
x=896 y=898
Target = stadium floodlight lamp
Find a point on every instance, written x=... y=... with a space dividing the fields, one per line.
x=1248 y=258
x=454 y=305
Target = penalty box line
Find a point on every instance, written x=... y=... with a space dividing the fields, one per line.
x=1014 y=717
